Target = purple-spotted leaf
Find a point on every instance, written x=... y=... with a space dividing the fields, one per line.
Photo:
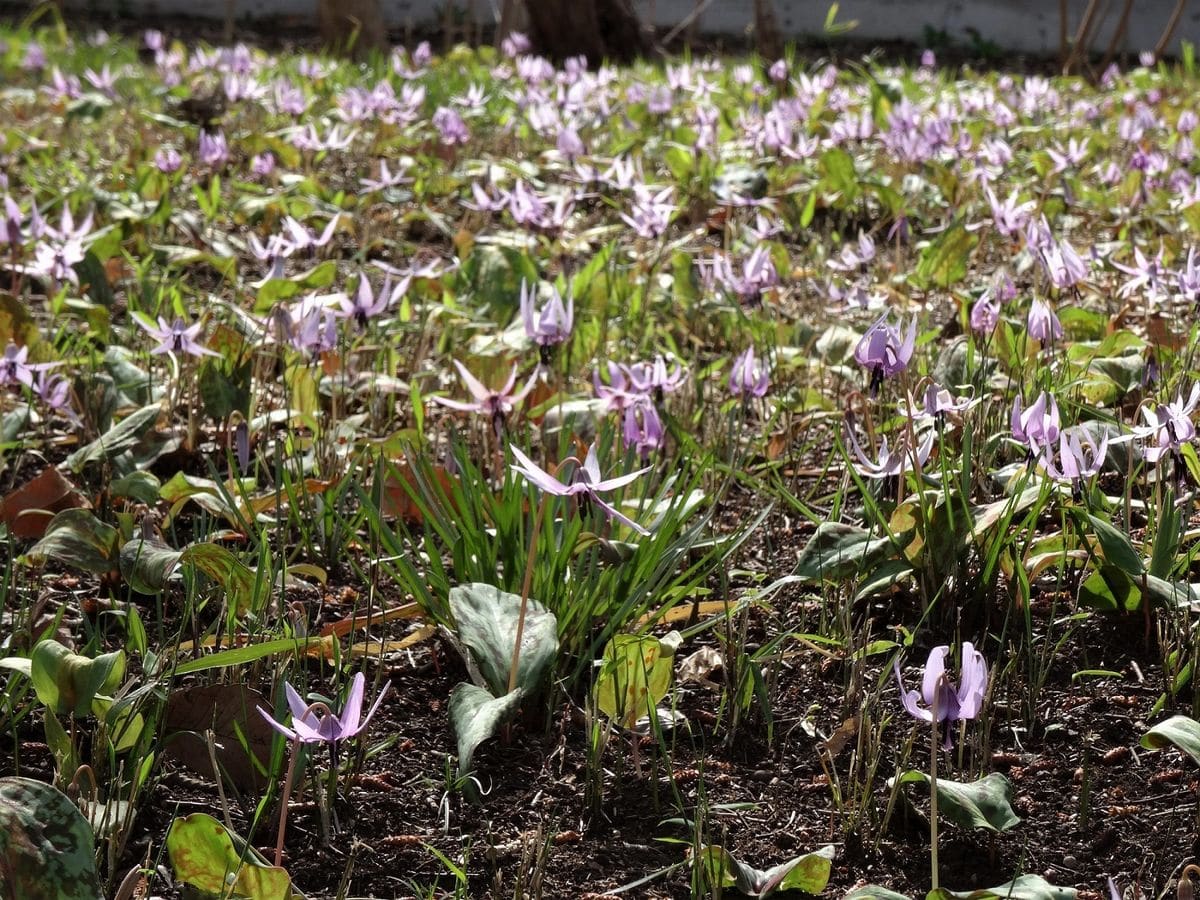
x=46 y=850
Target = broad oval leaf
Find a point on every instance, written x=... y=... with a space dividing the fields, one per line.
x=78 y=539
x=46 y=845
x=986 y=803
x=1023 y=887
x=205 y=855
x=486 y=619
x=1181 y=732
x=838 y=551
x=69 y=683
x=808 y=873
x=476 y=715
x=634 y=676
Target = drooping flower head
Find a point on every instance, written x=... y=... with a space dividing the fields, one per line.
x=950 y=703
x=585 y=482
x=551 y=324
x=749 y=377
x=310 y=728
x=884 y=351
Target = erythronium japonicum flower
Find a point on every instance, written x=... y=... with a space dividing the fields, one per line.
x=1043 y=324
x=176 y=337
x=884 y=351
x=551 y=324
x=1078 y=456
x=494 y=404
x=309 y=728
x=585 y=482
x=943 y=701
x=1169 y=426
x=1038 y=426
x=944 y=704
x=749 y=377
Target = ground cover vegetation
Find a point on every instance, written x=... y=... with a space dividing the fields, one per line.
x=462 y=475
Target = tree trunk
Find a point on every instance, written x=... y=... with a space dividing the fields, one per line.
x=767 y=39
x=597 y=29
x=352 y=26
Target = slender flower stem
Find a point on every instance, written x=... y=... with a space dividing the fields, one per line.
x=525 y=586
x=933 y=797
x=284 y=800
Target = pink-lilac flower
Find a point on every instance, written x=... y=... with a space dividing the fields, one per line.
x=167 y=160
x=452 y=130
x=891 y=462
x=310 y=728
x=749 y=377
x=1043 y=324
x=1169 y=426
x=15 y=367
x=884 y=351
x=651 y=211
x=176 y=337
x=495 y=404
x=1038 y=426
x=551 y=324
x=985 y=314
x=213 y=151
x=1078 y=456
x=263 y=164
x=952 y=703
x=586 y=481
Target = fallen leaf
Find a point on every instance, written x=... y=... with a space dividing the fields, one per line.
x=700 y=665
x=241 y=735
x=28 y=510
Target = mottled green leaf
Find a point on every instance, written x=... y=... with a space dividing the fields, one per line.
x=46 y=845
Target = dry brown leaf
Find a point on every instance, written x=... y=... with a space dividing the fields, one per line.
x=28 y=510
x=230 y=712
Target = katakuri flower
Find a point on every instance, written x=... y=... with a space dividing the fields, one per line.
x=310 y=728
x=952 y=703
x=586 y=481
x=749 y=377
x=552 y=323
x=176 y=337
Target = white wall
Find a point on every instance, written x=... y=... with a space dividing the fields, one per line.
x=1030 y=26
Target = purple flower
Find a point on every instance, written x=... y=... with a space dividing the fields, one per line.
x=585 y=482
x=299 y=237
x=1038 y=426
x=263 y=164
x=890 y=463
x=650 y=378
x=494 y=404
x=1043 y=324
x=952 y=704
x=14 y=366
x=884 y=351
x=515 y=44
x=309 y=728
x=386 y=179
x=213 y=150
x=749 y=377
x=365 y=306
x=167 y=160
x=1078 y=456
x=651 y=212
x=1169 y=426
x=552 y=323
x=1065 y=267
x=985 y=314
x=569 y=143
x=642 y=428
x=451 y=127
x=620 y=393
x=1189 y=277
x=176 y=337
x=54 y=391
x=778 y=71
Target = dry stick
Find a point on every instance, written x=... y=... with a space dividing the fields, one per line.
x=1062 y=32
x=1081 y=34
x=1117 y=35
x=525 y=585
x=1176 y=14
x=687 y=21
